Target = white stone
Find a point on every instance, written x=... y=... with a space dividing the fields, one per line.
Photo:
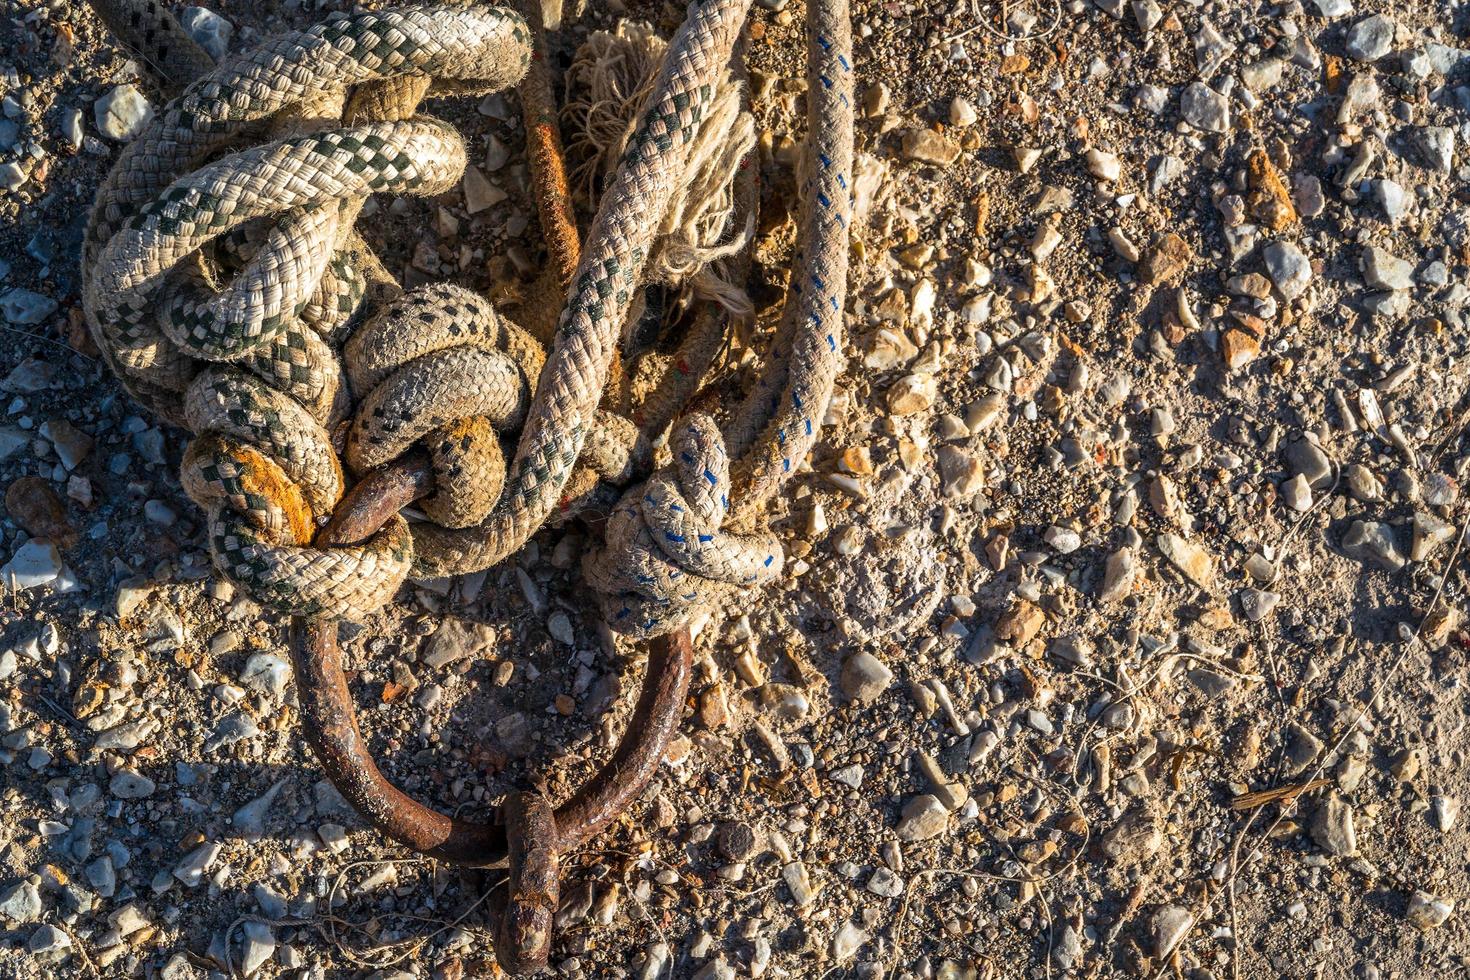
x=122 y=113
x=34 y=563
x=479 y=192
x=1204 y=108
x=208 y=29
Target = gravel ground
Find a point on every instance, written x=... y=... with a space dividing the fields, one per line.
x=1123 y=633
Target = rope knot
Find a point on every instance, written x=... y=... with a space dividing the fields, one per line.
x=665 y=552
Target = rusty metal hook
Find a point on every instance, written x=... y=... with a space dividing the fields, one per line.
x=531 y=837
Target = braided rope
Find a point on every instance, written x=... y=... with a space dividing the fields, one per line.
x=274 y=222
x=665 y=552
x=617 y=248
x=252 y=365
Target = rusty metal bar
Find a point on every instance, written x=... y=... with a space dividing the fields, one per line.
x=523 y=940
x=532 y=837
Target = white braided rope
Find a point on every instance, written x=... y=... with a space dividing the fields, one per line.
x=666 y=553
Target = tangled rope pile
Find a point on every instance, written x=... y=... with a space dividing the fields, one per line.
x=226 y=286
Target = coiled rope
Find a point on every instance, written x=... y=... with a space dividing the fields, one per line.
x=226 y=286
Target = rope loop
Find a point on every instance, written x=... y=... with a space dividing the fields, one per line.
x=665 y=552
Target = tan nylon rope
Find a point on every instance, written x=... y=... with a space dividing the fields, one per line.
x=253 y=367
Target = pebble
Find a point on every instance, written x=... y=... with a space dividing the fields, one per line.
x=1189 y=558
x=34 y=564
x=1103 y=166
x=1332 y=827
x=129 y=785
x=924 y=816
x=1258 y=604
x=1306 y=459
x=1297 y=493
x=21 y=903
x=48 y=941
x=479 y=193
x=1370 y=38
x=1430 y=532
x=192 y=868
x=865 y=677
x=1374 y=541
x=962 y=474
x=1289 y=268
x=912 y=394
x=1204 y=108
x=208 y=29
x=257 y=946
x=72 y=445
x=884 y=883
x=1445 y=811
x=799 y=882
x=1384 y=270
x=24 y=308
x=1434 y=146
x=847 y=942
x=1426 y=911
x=122 y=113
x=962 y=113
x=1170 y=924
x=1119 y=573
x=928 y=146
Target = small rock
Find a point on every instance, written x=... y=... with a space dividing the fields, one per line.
x=1103 y=166
x=1434 y=147
x=33 y=505
x=962 y=113
x=122 y=113
x=1384 y=270
x=267 y=673
x=912 y=394
x=796 y=878
x=1166 y=260
x=208 y=29
x=1427 y=911
x=257 y=946
x=1332 y=827
x=21 y=903
x=72 y=445
x=1289 y=268
x=962 y=474
x=924 y=816
x=1119 y=573
x=1306 y=459
x=865 y=677
x=847 y=942
x=479 y=192
x=1170 y=925
x=1189 y=558
x=1302 y=749
x=927 y=146
x=1376 y=542
x=1204 y=108
x=1370 y=38
x=1297 y=492
x=1258 y=604
x=48 y=941
x=129 y=785
x=24 y=308
x=34 y=563
x=1445 y=811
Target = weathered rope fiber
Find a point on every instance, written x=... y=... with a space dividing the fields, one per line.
x=221 y=276
x=666 y=552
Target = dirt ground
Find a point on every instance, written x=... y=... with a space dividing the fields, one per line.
x=1121 y=633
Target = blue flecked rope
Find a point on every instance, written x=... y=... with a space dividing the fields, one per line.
x=668 y=549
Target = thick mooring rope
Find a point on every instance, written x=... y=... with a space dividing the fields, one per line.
x=222 y=276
